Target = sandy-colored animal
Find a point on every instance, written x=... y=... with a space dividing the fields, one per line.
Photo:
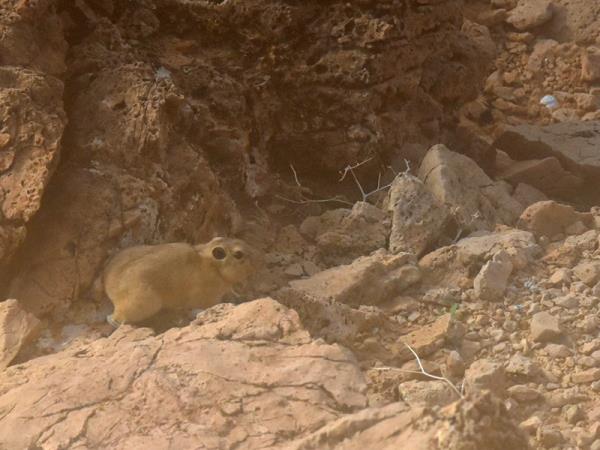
x=141 y=281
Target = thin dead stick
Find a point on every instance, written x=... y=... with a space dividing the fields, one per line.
x=295 y=176
x=308 y=201
x=365 y=195
x=435 y=377
x=355 y=166
x=396 y=369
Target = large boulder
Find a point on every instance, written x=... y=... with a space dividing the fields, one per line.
x=474 y=200
x=246 y=377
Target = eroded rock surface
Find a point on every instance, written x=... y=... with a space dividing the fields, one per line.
x=17 y=329
x=369 y=280
x=575 y=145
x=32 y=115
x=205 y=384
x=460 y=185
x=482 y=423
x=418 y=221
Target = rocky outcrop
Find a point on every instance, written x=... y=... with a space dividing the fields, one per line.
x=136 y=390
x=175 y=106
x=482 y=422
x=32 y=53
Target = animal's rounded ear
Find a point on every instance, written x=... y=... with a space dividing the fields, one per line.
x=219 y=253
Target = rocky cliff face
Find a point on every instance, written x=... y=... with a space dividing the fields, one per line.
x=175 y=108
x=422 y=287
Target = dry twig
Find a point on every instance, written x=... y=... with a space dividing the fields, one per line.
x=435 y=377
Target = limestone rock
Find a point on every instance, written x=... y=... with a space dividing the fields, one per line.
x=522 y=366
x=588 y=272
x=575 y=145
x=417 y=220
x=550 y=218
x=544 y=327
x=429 y=338
x=17 y=329
x=348 y=326
x=473 y=199
x=455 y=364
x=483 y=423
x=492 y=279
x=427 y=393
x=345 y=234
x=33 y=50
x=523 y=393
x=546 y=174
x=590 y=64
x=369 y=280
x=485 y=374
x=527 y=195
x=586 y=376
x=25 y=167
x=461 y=262
x=205 y=373
x=530 y=14
x=560 y=277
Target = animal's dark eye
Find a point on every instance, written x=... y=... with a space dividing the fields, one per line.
x=238 y=254
x=219 y=253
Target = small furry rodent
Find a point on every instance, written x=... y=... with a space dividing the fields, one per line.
x=143 y=280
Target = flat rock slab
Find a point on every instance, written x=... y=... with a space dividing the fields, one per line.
x=369 y=280
x=482 y=422
x=241 y=377
x=575 y=144
x=546 y=174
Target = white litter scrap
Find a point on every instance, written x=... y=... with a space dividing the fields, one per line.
x=549 y=101
x=162 y=74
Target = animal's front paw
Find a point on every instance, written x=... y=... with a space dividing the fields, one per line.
x=112 y=321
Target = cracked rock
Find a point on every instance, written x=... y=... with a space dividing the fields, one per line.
x=17 y=329
x=204 y=384
x=473 y=199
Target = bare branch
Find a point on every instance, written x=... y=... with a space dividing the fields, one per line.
x=435 y=377
x=295 y=176
x=351 y=168
x=309 y=201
